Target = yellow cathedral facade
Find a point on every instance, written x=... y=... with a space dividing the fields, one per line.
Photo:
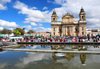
x=68 y=26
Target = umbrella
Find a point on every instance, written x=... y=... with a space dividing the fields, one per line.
x=1 y=35
x=47 y=36
x=38 y=36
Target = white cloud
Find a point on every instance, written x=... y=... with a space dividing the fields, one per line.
x=34 y=8
x=42 y=29
x=4 y=23
x=32 y=58
x=57 y=1
x=1 y=28
x=26 y=30
x=3 y=65
x=73 y=6
x=2 y=4
x=2 y=7
x=33 y=24
x=4 y=1
x=45 y=8
x=11 y=29
x=60 y=1
x=28 y=27
x=40 y=24
x=93 y=23
x=33 y=15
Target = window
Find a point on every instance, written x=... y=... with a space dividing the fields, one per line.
x=54 y=29
x=82 y=33
x=76 y=29
x=82 y=17
x=60 y=30
x=54 y=33
x=82 y=28
x=53 y=19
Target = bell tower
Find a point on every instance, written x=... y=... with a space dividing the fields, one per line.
x=54 y=17
x=55 y=26
x=82 y=15
x=82 y=22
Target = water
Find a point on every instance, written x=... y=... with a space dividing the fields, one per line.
x=32 y=60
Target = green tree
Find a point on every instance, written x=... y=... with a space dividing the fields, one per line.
x=0 y=31
x=30 y=32
x=18 y=31
x=5 y=31
x=9 y=32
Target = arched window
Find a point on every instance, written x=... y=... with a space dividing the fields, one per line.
x=53 y=19
x=82 y=17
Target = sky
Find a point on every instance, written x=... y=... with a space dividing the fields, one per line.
x=36 y=14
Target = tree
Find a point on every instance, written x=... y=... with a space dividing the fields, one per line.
x=5 y=31
x=9 y=32
x=19 y=31
x=0 y=31
x=30 y=32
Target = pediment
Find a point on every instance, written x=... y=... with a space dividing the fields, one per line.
x=68 y=16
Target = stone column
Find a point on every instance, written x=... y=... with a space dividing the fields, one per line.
x=80 y=31
x=66 y=30
x=85 y=31
x=73 y=30
x=69 y=30
x=62 y=31
x=52 y=31
x=57 y=31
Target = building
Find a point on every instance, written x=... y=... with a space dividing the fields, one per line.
x=38 y=34
x=93 y=32
x=43 y=33
x=68 y=26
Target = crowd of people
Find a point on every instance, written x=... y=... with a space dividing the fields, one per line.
x=61 y=39
x=56 y=39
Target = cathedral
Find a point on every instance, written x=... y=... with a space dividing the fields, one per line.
x=68 y=26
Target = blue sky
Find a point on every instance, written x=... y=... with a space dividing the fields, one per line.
x=36 y=14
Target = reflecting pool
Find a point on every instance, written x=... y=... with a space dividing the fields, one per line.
x=33 y=60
